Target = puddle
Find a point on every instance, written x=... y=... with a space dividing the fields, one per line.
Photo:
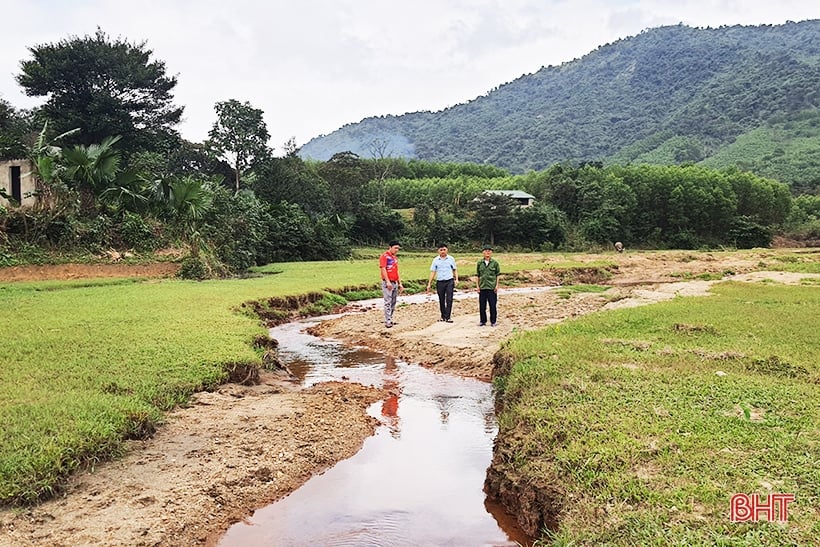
x=417 y=481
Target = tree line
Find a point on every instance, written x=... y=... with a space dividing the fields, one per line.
x=112 y=171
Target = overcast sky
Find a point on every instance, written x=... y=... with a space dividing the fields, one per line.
x=313 y=66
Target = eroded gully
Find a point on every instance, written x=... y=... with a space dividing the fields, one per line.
x=417 y=481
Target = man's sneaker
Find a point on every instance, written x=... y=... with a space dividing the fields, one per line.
x=482 y=324
x=448 y=320
x=494 y=324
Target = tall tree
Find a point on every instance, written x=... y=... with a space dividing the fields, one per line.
x=382 y=165
x=104 y=88
x=493 y=215
x=345 y=174
x=239 y=136
x=291 y=179
x=14 y=125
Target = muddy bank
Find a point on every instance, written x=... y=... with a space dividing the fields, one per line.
x=210 y=465
x=87 y=271
x=461 y=347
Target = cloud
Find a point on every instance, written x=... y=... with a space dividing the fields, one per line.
x=313 y=66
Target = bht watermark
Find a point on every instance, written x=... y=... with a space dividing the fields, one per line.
x=751 y=507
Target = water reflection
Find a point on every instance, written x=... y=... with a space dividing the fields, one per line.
x=390 y=405
x=417 y=481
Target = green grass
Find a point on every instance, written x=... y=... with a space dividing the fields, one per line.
x=567 y=292
x=648 y=419
x=807 y=262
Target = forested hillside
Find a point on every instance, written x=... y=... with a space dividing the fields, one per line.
x=741 y=95
x=92 y=171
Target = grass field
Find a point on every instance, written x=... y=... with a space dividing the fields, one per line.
x=645 y=421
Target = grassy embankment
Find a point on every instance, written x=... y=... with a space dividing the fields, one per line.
x=643 y=422
x=87 y=364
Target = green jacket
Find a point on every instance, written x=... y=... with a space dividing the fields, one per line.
x=488 y=274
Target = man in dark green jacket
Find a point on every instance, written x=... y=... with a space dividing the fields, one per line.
x=487 y=273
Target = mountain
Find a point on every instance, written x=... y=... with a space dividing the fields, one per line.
x=671 y=94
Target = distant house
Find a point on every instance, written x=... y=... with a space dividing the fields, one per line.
x=523 y=198
x=17 y=183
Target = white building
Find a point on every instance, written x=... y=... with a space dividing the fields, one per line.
x=17 y=182
x=523 y=198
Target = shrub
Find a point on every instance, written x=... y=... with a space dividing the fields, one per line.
x=136 y=233
x=193 y=267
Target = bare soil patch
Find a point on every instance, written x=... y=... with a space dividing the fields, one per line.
x=464 y=348
x=239 y=448
x=86 y=271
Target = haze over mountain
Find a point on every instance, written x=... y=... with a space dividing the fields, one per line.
x=740 y=95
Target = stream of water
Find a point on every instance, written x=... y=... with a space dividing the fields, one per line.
x=418 y=481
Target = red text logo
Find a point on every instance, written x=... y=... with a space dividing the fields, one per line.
x=751 y=507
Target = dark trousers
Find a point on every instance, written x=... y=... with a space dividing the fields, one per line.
x=445 y=297
x=487 y=296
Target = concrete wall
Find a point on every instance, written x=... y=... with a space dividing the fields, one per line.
x=27 y=184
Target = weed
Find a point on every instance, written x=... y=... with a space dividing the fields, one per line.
x=775 y=366
x=693 y=329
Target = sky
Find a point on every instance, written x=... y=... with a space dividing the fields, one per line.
x=313 y=66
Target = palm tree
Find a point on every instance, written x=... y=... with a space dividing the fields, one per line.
x=190 y=199
x=92 y=168
x=128 y=191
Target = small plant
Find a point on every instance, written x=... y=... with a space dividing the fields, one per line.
x=684 y=328
x=193 y=268
x=776 y=366
x=747 y=412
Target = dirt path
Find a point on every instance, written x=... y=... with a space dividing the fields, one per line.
x=240 y=448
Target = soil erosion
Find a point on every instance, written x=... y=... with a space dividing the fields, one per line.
x=239 y=448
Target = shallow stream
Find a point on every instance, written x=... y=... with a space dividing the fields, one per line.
x=417 y=481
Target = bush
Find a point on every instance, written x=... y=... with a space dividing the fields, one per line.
x=194 y=267
x=95 y=234
x=6 y=259
x=136 y=233
x=238 y=227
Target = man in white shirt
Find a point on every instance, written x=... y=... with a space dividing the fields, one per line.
x=443 y=268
